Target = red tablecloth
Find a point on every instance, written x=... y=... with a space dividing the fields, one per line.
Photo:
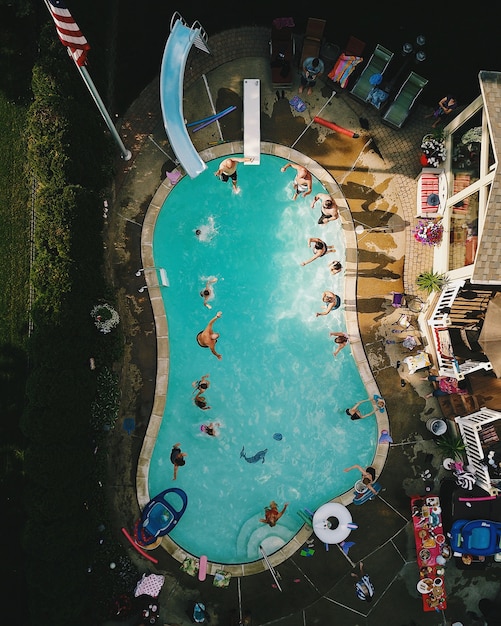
x=430 y=544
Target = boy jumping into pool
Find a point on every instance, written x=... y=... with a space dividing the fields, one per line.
x=228 y=169
x=207 y=338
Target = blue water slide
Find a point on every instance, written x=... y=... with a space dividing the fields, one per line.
x=177 y=48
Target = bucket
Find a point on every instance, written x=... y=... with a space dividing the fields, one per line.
x=436 y=426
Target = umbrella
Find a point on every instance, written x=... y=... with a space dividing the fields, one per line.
x=490 y=336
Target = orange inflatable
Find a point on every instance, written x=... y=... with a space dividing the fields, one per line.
x=338 y=129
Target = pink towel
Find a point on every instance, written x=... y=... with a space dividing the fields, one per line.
x=283 y=22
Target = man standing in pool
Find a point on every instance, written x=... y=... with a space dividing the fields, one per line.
x=303 y=181
x=207 y=338
x=271 y=513
x=332 y=302
x=329 y=210
x=320 y=249
x=177 y=458
x=228 y=169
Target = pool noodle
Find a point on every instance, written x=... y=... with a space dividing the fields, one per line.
x=140 y=550
x=210 y=117
x=305 y=518
x=202 y=568
x=332 y=126
x=213 y=119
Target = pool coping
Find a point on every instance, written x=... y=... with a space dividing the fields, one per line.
x=163 y=355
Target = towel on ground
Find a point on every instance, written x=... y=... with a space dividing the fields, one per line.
x=149 y=585
x=343 y=69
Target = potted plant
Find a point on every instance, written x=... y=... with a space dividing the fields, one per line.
x=429 y=232
x=433 y=149
x=452 y=446
x=431 y=281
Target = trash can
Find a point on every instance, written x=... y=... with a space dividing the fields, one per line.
x=436 y=426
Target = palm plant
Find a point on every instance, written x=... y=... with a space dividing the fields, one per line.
x=431 y=281
x=452 y=446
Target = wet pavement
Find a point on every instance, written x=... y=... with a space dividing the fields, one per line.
x=377 y=175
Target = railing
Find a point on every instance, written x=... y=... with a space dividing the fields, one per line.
x=470 y=427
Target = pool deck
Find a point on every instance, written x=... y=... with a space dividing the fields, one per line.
x=376 y=173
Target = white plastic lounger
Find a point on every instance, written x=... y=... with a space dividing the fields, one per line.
x=377 y=64
x=177 y=48
x=399 y=110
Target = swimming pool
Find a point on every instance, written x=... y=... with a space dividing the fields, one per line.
x=277 y=374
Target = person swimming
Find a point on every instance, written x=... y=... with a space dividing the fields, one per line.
x=206 y=232
x=207 y=292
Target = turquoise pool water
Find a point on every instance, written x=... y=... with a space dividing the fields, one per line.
x=277 y=374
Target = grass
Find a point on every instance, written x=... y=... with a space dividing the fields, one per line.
x=15 y=215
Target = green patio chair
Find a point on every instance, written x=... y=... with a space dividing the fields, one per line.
x=399 y=110
x=379 y=61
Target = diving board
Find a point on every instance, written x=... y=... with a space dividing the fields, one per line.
x=177 y=48
x=252 y=120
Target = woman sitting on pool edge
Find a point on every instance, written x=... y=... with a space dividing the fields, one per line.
x=368 y=475
x=332 y=302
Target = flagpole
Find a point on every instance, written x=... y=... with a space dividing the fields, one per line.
x=74 y=41
x=126 y=154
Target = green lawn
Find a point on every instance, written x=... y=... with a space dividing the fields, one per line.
x=15 y=211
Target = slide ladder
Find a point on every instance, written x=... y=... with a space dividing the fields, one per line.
x=179 y=43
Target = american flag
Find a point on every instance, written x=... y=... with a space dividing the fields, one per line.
x=68 y=31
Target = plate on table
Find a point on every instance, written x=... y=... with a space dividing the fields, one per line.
x=440 y=539
x=424 y=555
x=425 y=585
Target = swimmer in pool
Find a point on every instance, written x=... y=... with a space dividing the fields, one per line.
x=332 y=302
x=320 y=248
x=203 y=383
x=207 y=292
x=342 y=341
x=271 y=513
x=228 y=169
x=329 y=209
x=200 y=401
x=354 y=412
x=335 y=267
x=210 y=429
x=177 y=458
x=302 y=183
x=207 y=338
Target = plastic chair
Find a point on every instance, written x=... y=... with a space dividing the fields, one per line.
x=399 y=110
x=379 y=61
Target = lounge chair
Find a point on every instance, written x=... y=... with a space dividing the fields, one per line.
x=312 y=39
x=399 y=110
x=379 y=61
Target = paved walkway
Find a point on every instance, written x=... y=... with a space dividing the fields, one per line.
x=376 y=173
